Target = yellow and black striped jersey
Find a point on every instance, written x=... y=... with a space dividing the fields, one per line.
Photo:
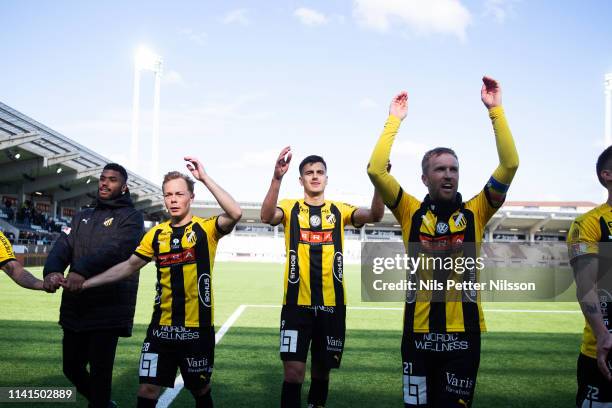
x=432 y=231
x=591 y=235
x=184 y=257
x=6 y=251
x=314 y=240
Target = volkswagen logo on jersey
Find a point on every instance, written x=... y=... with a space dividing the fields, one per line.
x=294 y=274
x=441 y=228
x=204 y=289
x=175 y=243
x=315 y=220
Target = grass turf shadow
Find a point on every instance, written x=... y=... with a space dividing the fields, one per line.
x=517 y=369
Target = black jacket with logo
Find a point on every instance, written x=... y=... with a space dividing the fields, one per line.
x=100 y=237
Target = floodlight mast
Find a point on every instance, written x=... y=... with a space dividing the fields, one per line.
x=608 y=126
x=135 y=120
x=146 y=60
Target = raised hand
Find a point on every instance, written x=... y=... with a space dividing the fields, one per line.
x=195 y=167
x=399 y=105
x=491 y=92
x=282 y=163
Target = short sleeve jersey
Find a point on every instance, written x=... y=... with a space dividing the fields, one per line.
x=314 y=240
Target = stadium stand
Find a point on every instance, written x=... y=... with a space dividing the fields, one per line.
x=45 y=177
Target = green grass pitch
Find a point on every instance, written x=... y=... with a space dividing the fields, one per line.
x=528 y=359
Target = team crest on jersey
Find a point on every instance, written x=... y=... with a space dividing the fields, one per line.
x=460 y=221
x=315 y=220
x=191 y=237
x=331 y=218
x=441 y=227
x=108 y=222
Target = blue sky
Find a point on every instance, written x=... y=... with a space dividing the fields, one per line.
x=243 y=79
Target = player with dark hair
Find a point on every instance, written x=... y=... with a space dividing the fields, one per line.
x=99 y=237
x=181 y=334
x=441 y=339
x=589 y=244
x=314 y=304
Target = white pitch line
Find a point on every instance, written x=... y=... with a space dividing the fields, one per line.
x=170 y=393
x=530 y=311
x=374 y=308
x=229 y=322
x=349 y=307
x=401 y=308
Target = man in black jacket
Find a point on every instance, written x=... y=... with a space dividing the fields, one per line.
x=99 y=238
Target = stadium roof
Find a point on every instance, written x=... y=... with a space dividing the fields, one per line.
x=47 y=163
x=551 y=204
x=527 y=218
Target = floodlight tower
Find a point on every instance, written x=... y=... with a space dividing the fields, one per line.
x=608 y=128
x=146 y=60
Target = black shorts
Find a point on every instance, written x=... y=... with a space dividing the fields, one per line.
x=594 y=391
x=440 y=369
x=325 y=326
x=166 y=348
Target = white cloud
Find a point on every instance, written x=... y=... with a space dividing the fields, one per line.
x=310 y=17
x=238 y=16
x=199 y=38
x=173 y=78
x=422 y=16
x=368 y=103
x=254 y=159
x=499 y=9
x=408 y=148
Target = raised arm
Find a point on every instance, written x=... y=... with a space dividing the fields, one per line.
x=270 y=213
x=386 y=185
x=116 y=273
x=22 y=277
x=232 y=211
x=375 y=212
x=585 y=272
x=491 y=96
